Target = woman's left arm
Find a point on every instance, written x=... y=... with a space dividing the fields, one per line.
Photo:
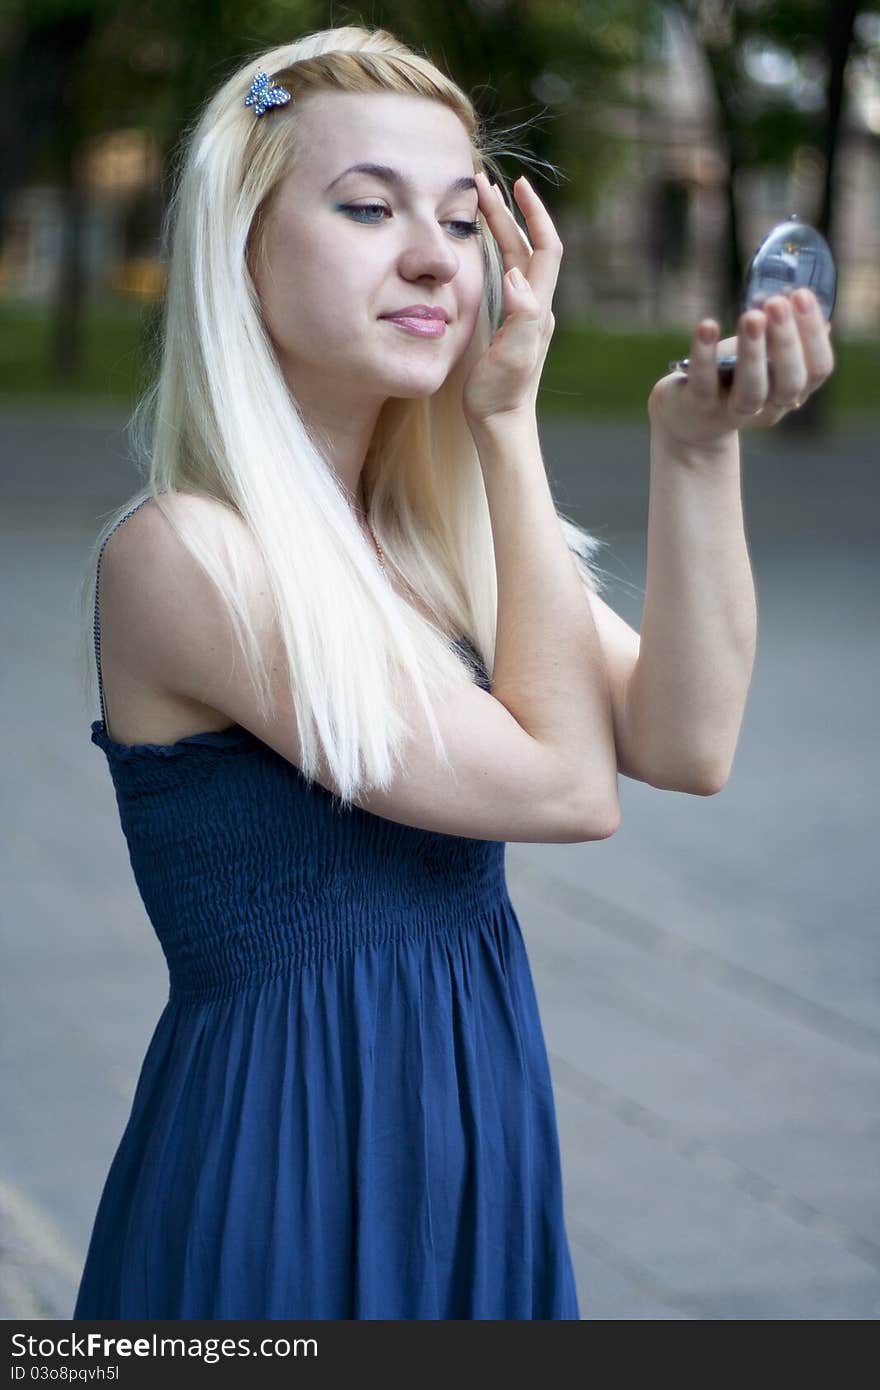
x=686 y=695
x=687 y=692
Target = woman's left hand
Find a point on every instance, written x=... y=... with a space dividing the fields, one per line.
x=783 y=355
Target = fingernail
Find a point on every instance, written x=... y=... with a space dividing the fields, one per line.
x=707 y=332
x=803 y=301
x=517 y=279
x=778 y=310
x=755 y=326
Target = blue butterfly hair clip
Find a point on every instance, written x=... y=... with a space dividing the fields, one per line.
x=264 y=93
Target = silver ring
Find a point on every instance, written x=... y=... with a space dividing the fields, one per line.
x=736 y=410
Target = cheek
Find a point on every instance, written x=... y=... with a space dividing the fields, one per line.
x=300 y=286
x=472 y=294
x=322 y=263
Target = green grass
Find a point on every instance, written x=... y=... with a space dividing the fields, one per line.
x=589 y=370
x=111 y=367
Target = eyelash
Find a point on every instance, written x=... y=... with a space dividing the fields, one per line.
x=471 y=228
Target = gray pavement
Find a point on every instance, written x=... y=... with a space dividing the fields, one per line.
x=709 y=977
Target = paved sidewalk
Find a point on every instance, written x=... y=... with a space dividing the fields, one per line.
x=708 y=977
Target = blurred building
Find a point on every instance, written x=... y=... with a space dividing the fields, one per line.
x=649 y=255
x=120 y=174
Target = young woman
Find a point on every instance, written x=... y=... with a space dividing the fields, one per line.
x=345 y=1110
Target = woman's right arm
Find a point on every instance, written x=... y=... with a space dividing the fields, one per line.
x=533 y=761
x=549 y=669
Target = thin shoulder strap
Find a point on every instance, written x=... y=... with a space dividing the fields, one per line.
x=97 y=613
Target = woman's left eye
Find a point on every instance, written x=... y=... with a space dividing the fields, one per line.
x=468 y=228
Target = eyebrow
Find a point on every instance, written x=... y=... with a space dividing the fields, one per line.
x=398 y=180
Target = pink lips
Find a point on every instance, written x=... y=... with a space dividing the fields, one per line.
x=423 y=319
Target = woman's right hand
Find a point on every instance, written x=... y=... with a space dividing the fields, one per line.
x=505 y=380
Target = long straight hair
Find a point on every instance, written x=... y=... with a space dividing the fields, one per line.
x=220 y=420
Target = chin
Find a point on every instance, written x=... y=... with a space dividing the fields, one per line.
x=416 y=385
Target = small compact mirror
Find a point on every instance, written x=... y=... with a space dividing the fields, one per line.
x=792 y=255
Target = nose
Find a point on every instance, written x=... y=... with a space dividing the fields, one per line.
x=428 y=251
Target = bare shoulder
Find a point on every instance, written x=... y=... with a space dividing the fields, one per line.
x=146 y=550
x=149 y=530
x=154 y=596
x=149 y=575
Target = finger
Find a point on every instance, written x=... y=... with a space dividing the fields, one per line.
x=522 y=310
x=543 y=269
x=501 y=218
x=785 y=355
x=703 y=368
x=748 y=391
x=514 y=245
x=815 y=340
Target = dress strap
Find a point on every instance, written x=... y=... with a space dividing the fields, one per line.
x=97 y=612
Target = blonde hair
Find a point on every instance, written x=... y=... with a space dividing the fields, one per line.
x=220 y=420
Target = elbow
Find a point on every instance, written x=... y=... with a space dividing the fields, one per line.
x=606 y=828
x=715 y=782
x=709 y=779
x=704 y=782
x=600 y=823
x=693 y=774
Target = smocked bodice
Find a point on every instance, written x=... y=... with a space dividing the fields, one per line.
x=244 y=866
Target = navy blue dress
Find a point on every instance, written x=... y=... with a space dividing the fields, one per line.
x=345 y=1109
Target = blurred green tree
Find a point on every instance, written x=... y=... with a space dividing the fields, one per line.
x=778 y=71
x=779 y=75
x=73 y=69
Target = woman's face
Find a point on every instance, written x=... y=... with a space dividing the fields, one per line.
x=343 y=250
